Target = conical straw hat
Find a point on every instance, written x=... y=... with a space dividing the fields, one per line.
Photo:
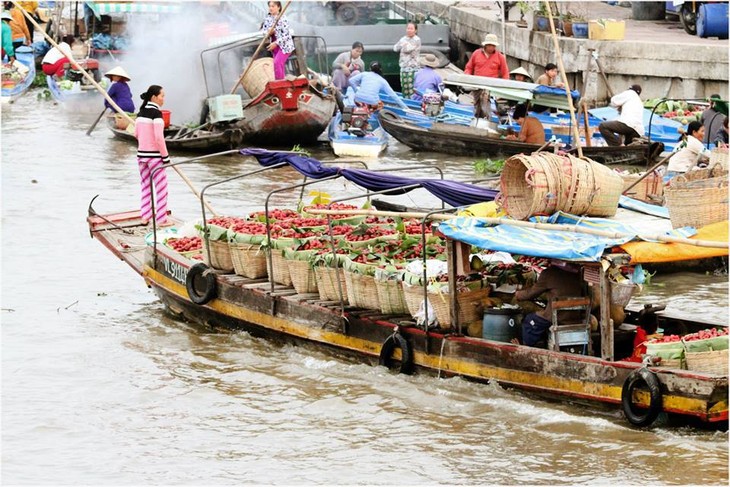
x=118 y=71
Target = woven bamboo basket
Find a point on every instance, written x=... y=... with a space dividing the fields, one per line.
x=280 y=272
x=469 y=304
x=672 y=363
x=714 y=362
x=361 y=291
x=302 y=276
x=413 y=296
x=719 y=157
x=651 y=187
x=220 y=255
x=327 y=283
x=622 y=293
x=248 y=260
x=697 y=207
x=257 y=76
x=391 y=297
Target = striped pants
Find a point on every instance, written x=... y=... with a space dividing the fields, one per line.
x=146 y=166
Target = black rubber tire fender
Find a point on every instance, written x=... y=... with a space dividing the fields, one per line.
x=646 y=377
x=396 y=340
x=211 y=285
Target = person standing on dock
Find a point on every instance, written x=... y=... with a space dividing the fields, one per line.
x=488 y=61
x=152 y=153
x=347 y=64
x=409 y=47
x=282 y=44
x=630 y=122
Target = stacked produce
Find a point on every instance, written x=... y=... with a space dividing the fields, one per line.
x=704 y=351
x=679 y=111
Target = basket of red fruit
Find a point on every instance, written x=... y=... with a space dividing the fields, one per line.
x=706 y=351
x=327 y=271
x=187 y=246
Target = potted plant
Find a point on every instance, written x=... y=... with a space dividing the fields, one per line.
x=579 y=23
x=541 y=17
x=524 y=7
x=567 y=22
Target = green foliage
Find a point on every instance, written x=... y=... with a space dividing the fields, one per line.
x=488 y=166
x=299 y=149
x=40 y=80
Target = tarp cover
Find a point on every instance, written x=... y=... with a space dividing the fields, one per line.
x=640 y=206
x=544 y=243
x=645 y=252
x=451 y=192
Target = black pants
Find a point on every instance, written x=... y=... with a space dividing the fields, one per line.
x=613 y=128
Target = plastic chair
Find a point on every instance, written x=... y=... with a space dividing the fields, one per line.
x=572 y=336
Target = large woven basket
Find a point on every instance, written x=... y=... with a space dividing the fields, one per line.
x=650 y=188
x=413 y=296
x=694 y=201
x=220 y=255
x=248 y=260
x=361 y=291
x=327 y=283
x=469 y=304
x=622 y=293
x=672 y=363
x=302 y=276
x=719 y=157
x=257 y=76
x=714 y=362
x=391 y=297
x=280 y=273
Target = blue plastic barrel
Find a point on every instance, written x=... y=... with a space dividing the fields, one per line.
x=501 y=325
x=712 y=20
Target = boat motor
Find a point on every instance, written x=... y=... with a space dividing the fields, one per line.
x=355 y=120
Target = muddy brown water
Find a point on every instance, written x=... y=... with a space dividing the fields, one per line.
x=100 y=386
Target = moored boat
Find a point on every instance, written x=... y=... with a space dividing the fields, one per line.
x=265 y=308
x=18 y=83
x=361 y=137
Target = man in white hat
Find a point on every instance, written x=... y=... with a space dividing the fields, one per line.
x=521 y=74
x=488 y=61
x=119 y=90
x=427 y=80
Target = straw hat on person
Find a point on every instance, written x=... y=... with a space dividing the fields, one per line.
x=118 y=71
x=430 y=60
x=490 y=39
x=521 y=71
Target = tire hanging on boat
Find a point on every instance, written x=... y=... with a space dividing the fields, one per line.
x=196 y=272
x=396 y=340
x=641 y=417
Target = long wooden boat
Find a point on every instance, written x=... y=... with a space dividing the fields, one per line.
x=478 y=142
x=24 y=55
x=265 y=309
x=198 y=141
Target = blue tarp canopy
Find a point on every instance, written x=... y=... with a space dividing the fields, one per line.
x=451 y=192
x=544 y=243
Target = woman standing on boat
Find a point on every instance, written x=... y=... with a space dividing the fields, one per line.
x=409 y=47
x=152 y=153
x=282 y=44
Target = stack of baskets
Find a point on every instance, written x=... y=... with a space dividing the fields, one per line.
x=709 y=356
x=543 y=183
x=698 y=198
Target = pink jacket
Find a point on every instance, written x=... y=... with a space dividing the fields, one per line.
x=150 y=132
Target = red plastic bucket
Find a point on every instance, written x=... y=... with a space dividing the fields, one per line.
x=166 y=117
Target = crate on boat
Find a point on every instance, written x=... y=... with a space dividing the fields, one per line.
x=224 y=108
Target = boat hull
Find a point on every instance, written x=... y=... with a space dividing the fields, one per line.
x=203 y=141
x=24 y=56
x=473 y=141
x=345 y=144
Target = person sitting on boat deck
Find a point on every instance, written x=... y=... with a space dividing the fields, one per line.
x=548 y=78
x=646 y=329
x=369 y=85
x=55 y=59
x=711 y=119
x=630 y=122
x=721 y=137
x=427 y=82
x=282 y=44
x=20 y=33
x=559 y=280
x=119 y=90
x=488 y=61
x=149 y=128
x=531 y=130
x=409 y=47
x=7 y=37
x=346 y=64
x=691 y=152
x=521 y=74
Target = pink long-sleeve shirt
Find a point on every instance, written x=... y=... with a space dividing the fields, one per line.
x=150 y=132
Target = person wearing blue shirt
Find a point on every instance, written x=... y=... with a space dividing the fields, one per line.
x=119 y=90
x=427 y=79
x=369 y=85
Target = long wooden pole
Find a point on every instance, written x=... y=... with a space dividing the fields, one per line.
x=258 y=49
x=520 y=223
x=573 y=120
x=109 y=99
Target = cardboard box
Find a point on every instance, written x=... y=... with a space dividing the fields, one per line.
x=224 y=108
x=606 y=30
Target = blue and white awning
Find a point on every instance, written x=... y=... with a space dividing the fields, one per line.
x=106 y=8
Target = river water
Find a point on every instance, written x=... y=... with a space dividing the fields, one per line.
x=100 y=386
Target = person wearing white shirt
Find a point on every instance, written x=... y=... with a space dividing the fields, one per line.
x=691 y=153
x=630 y=122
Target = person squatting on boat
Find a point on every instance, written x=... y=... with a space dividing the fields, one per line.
x=488 y=61
x=347 y=64
x=630 y=122
x=427 y=82
x=152 y=153
x=409 y=47
x=56 y=58
x=691 y=152
x=20 y=33
x=531 y=130
x=282 y=44
x=369 y=85
x=559 y=280
x=119 y=90
x=7 y=38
